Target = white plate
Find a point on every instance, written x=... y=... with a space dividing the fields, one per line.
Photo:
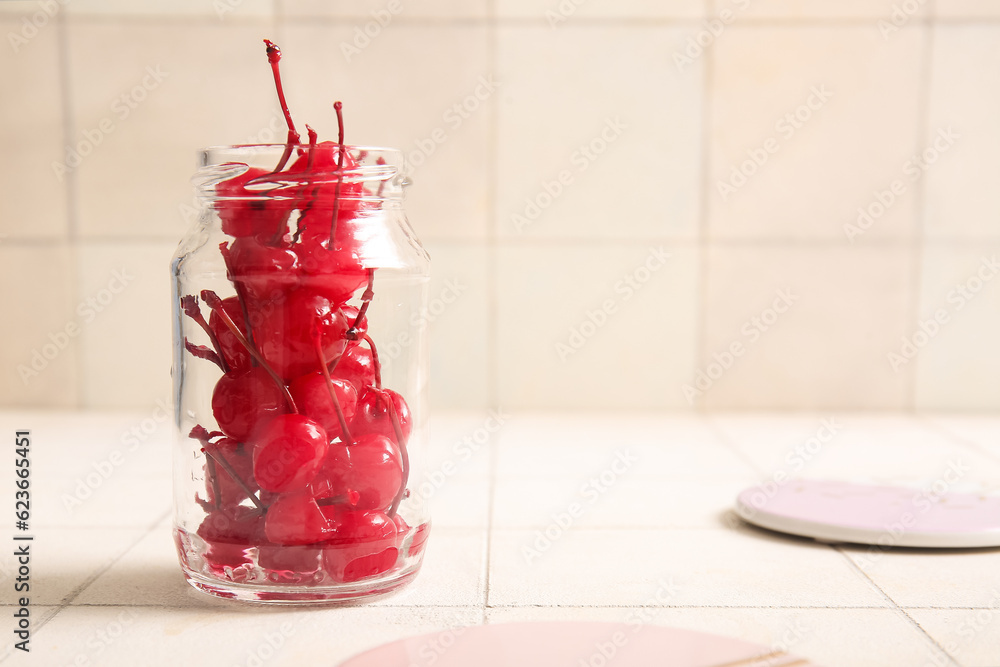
x=887 y=516
x=552 y=644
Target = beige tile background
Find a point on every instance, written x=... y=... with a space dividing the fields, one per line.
x=641 y=108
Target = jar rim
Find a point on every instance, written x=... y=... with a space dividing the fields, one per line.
x=382 y=150
x=370 y=164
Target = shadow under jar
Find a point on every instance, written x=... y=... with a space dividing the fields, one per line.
x=300 y=370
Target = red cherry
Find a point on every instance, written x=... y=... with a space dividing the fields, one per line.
x=236 y=355
x=312 y=396
x=250 y=211
x=242 y=399
x=324 y=166
x=288 y=451
x=285 y=333
x=295 y=518
x=264 y=271
x=374 y=471
x=229 y=533
x=336 y=274
x=420 y=535
x=373 y=415
x=287 y=558
x=329 y=481
x=325 y=157
x=356 y=366
x=363 y=544
x=231 y=493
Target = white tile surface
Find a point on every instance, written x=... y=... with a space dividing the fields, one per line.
x=828 y=131
x=586 y=116
x=896 y=451
x=981 y=432
x=607 y=500
x=613 y=567
x=461 y=442
x=848 y=310
x=958 y=305
x=545 y=295
x=71 y=442
x=665 y=447
x=125 y=343
x=932 y=578
x=64 y=561
x=971 y=635
x=458 y=312
x=232 y=635
x=41 y=339
x=958 y=204
x=122 y=499
x=33 y=204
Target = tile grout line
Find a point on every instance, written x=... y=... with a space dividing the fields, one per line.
x=956 y=438
x=492 y=317
x=919 y=199
x=701 y=326
x=494 y=453
x=728 y=443
x=72 y=214
x=899 y=610
x=72 y=595
x=492 y=261
x=581 y=22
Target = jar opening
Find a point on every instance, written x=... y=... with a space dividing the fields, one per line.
x=314 y=173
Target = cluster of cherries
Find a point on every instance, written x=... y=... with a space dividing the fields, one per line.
x=309 y=462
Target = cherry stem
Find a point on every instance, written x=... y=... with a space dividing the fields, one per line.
x=345 y=432
x=215 y=303
x=351 y=498
x=381 y=184
x=375 y=362
x=240 y=294
x=274 y=57
x=202 y=352
x=338 y=107
x=366 y=299
x=201 y=434
x=221 y=460
x=213 y=477
x=191 y=308
x=313 y=137
x=404 y=456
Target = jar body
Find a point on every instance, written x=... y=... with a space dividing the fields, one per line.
x=300 y=371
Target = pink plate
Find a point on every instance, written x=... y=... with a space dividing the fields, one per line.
x=572 y=644
x=884 y=515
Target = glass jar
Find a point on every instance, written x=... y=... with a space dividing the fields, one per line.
x=300 y=372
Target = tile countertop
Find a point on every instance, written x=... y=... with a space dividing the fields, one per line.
x=652 y=539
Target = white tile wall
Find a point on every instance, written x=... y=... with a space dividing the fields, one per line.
x=693 y=103
x=591 y=140
x=960 y=181
x=828 y=128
